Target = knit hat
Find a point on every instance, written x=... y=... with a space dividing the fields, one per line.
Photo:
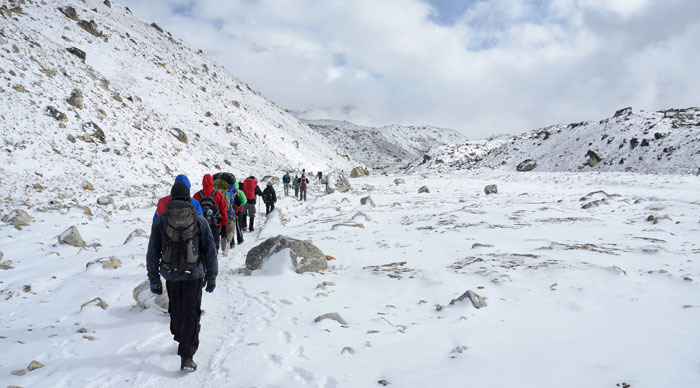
x=180 y=191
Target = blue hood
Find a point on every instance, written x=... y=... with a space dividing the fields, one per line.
x=183 y=178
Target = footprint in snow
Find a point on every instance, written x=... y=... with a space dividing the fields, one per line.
x=285 y=337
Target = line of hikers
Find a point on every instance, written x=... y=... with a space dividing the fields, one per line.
x=299 y=184
x=185 y=237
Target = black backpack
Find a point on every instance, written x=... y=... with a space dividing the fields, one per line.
x=180 y=236
x=209 y=209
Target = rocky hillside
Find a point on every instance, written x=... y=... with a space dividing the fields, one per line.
x=385 y=146
x=90 y=92
x=663 y=142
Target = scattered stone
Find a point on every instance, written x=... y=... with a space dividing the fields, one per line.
x=104 y=201
x=349 y=225
x=458 y=350
x=383 y=382
x=56 y=114
x=334 y=316
x=18 y=217
x=82 y=330
x=77 y=52
x=347 y=349
x=145 y=298
x=305 y=256
x=623 y=112
x=367 y=201
x=399 y=181
x=19 y=372
x=76 y=99
x=526 y=165
x=108 y=3
x=34 y=365
x=111 y=262
x=477 y=301
x=72 y=237
x=88 y=186
x=424 y=189
x=179 y=134
x=157 y=27
x=361 y=215
x=480 y=245
x=134 y=234
x=89 y=337
x=325 y=284
x=491 y=189
x=97 y=133
x=99 y=302
x=7 y=264
x=20 y=89
x=329 y=257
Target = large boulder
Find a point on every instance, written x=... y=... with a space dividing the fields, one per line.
x=367 y=201
x=17 y=217
x=145 y=298
x=71 y=236
x=526 y=165
x=270 y=179
x=305 y=256
x=337 y=182
x=358 y=172
x=423 y=189
x=491 y=189
x=593 y=158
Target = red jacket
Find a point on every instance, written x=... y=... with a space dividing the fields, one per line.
x=208 y=188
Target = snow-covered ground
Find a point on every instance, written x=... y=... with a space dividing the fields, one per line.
x=576 y=297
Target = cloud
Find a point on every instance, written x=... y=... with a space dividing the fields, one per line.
x=490 y=67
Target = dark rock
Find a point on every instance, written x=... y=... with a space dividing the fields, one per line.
x=107 y=3
x=645 y=143
x=526 y=165
x=56 y=114
x=90 y=27
x=623 y=112
x=423 y=189
x=634 y=142
x=312 y=258
x=658 y=135
x=69 y=12
x=76 y=98
x=157 y=27
x=97 y=133
x=77 y=52
x=367 y=201
x=593 y=158
x=179 y=135
x=491 y=189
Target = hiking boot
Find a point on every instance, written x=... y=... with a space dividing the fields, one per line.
x=187 y=365
x=244 y=229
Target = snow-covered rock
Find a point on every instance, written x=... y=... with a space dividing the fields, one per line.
x=305 y=256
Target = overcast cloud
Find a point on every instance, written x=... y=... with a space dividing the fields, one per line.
x=481 y=67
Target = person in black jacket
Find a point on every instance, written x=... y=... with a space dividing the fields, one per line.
x=269 y=197
x=184 y=286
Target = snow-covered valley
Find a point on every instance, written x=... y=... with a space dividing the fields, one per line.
x=590 y=279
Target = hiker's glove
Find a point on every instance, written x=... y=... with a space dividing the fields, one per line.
x=211 y=285
x=157 y=288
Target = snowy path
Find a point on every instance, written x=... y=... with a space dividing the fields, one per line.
x=576 y=296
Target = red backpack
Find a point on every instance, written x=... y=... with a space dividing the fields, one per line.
x=249 y=188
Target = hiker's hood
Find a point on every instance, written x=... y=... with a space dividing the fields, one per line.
x=183 y=178
x=207 y=184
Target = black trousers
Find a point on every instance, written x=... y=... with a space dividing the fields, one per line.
x=185 y=311
x=269 y=207
x=216 y=231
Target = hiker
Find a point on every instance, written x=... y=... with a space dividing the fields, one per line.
x=186 y=258
x=213 y=207
x=285 y=180
x=163 y=202
x=250 y=189
x=320 y=174
x=295 y=184
x=269 y=197
x=303 y=182
x=224 y=184
x=238 y=202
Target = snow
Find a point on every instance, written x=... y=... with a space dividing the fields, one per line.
x=576 y=297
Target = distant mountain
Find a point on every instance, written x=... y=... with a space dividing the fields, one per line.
x=89 y=91
x=663 y=142
x=381 y=147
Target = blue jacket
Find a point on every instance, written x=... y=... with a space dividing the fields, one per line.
x=164 y=201
x=207 y=268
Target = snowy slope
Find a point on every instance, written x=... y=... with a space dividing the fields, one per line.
x=385 y=146
x=664 y=142
x=138 y=84
x=575 y=297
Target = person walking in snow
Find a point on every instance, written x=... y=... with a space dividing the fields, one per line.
x=238 y=202
x=250 y=189
x=320 y=175
x=295 y=184
x=303 y=182
x=186 y=258
x=285 y=180
x=163 y=202
x=213 y=206
x=225 y=183
x=270 y=197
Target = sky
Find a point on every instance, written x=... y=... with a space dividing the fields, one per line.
x=482 y=67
